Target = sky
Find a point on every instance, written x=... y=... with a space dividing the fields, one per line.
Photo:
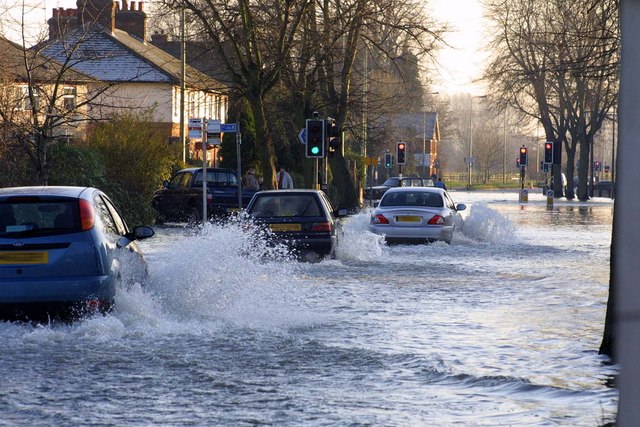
x=458 y=65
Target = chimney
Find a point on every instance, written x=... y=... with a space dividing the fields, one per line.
x=131 y=20
x=62 y=21
x=159 y=38
x=102 y=12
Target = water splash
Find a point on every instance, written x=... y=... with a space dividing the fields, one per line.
x=357 y=242
x=484 y=224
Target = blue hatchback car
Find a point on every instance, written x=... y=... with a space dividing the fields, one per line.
x=63 y=252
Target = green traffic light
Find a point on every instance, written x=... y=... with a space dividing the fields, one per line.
x=315 y=150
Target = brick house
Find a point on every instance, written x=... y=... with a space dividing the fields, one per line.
x=106 y=40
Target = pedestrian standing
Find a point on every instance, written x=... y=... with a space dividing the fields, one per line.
x=251 y=182
x=440 y=184
x=284 y=179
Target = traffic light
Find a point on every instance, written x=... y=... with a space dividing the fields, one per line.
x=544 y=167
x=401 y=153
x=597 y=166
x=523 y=156
x=388 y=160
x=315 y=129
x=548 y=152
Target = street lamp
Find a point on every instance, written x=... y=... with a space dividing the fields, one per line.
x=424 y=138
x=470 y=159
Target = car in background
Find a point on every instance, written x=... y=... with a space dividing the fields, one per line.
x=181 y=197
x=416 y=215
x=63 y=252
x=375 y=193
x=302 y=219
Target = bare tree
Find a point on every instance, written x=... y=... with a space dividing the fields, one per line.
x=251 y=41
x=557 y=62
x=43 y=103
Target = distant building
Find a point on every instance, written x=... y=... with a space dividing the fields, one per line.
x=107 y=41
x=31 y=82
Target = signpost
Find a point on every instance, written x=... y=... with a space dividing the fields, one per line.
x=213 y=136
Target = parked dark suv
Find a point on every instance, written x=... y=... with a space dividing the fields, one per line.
x=181 y=197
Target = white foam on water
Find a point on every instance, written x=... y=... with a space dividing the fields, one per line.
x=484 y=224
x=357 y=242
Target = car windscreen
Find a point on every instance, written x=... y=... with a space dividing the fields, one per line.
x=25 y=216
x=406 y=198
x=286 y=205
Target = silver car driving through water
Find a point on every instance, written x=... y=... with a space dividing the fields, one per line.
x=416 y=215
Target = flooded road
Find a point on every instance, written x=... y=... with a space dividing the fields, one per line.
x=501 y=327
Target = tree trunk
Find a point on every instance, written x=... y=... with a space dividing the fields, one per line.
x=265 y=144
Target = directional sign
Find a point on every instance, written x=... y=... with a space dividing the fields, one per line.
x=213 y=126
x=302 y=135
x=195 y=128
x=213 y=132
x=228 y=127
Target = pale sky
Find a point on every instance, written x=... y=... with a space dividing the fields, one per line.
x=462 y=63
x=458 y=65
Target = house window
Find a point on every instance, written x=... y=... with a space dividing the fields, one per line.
x=69 y=98
x=26 y=104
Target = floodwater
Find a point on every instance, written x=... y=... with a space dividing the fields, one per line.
x=500 y=328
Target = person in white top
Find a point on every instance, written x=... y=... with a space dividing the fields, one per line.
x=284 y=179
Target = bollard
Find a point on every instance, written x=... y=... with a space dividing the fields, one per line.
x=549 y=199
x=524 y=195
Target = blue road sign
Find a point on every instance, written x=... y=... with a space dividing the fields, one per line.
x=302 y=135
x=227 y=127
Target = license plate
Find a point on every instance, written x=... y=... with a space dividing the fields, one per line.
x=233 y=209
x=285 y=227
x=408 y=219
x=24 y=257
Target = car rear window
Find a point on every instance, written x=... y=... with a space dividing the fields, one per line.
x=32 y=216
x=406 y=198
x=286 y=205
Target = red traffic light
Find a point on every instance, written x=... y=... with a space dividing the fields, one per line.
x=401 y=151
x=523 y=156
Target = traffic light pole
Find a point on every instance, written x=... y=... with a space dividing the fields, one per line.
x=316 y=180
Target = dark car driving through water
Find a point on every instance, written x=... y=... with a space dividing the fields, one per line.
x=63 y=252
x=304 y=220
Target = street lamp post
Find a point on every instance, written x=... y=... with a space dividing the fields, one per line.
x=471 y=138
x=424 y=138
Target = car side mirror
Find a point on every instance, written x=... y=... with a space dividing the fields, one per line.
x=165 y=183
x=141 y=232
x=461 y=207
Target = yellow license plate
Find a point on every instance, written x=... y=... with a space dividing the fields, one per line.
x=24 y=257
x=233 y=209
x=408 y=219
x=285 y=227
